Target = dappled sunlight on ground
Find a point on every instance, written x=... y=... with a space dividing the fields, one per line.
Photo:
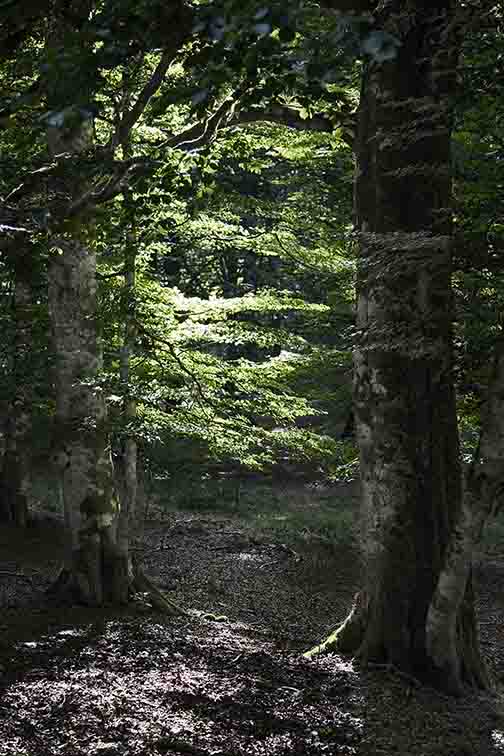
x=498 y=739
x=143 y=687
x=83 y=682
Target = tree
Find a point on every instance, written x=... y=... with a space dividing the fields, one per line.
x=25 y=373
x=403 y=366
x=15 y=466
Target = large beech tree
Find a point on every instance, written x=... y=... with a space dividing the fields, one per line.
x=415 y=609
x=99 y=567
x=97 y=570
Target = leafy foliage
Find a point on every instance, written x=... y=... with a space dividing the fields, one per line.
x=246 y=261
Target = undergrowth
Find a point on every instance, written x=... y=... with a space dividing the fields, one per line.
x=290 y=512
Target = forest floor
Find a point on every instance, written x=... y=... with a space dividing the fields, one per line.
x=81 y=682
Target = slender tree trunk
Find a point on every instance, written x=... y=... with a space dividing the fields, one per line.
x=126 y=465
x=483 y=497
x=127 y=462
x=403 y=386
x=98 y=568
x=15 y=480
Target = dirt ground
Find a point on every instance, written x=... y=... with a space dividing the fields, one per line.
x=80 y=682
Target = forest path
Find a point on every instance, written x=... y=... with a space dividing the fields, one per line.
x=78 y=682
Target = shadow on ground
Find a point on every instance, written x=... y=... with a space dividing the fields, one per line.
x=77 y=682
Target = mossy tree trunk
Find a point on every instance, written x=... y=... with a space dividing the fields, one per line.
x=403 y=385
x=99 y=568
x=95 y=570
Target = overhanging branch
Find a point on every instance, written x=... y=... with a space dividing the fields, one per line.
x=228 y=115
x=177 y=38
x=291 y=118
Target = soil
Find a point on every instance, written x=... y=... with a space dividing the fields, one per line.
x=229 y=679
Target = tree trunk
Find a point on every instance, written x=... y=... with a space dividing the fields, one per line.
x=15 y=481
x=95 y=568
x=404 y=399
x=99 y=568
x=483 y=497
x=126 y=464
x=15 y=478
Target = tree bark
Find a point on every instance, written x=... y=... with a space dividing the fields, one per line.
x=126 y=464
x=404 y=399
x=15 y=477
x=483 y=497
x=95 y=571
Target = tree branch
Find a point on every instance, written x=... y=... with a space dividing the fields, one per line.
x=285 y=116
x=291 y=118
x=133 y=114
x=125 y=170
x=228 y=115
x=203 y=133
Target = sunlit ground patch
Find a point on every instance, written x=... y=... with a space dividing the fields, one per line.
x=498 y=739
x=142 y=687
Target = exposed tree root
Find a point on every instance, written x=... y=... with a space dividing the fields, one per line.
x=158 y=599
x=66 y=589
x=347 y=637
x=360 y=637
x=214 y=617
